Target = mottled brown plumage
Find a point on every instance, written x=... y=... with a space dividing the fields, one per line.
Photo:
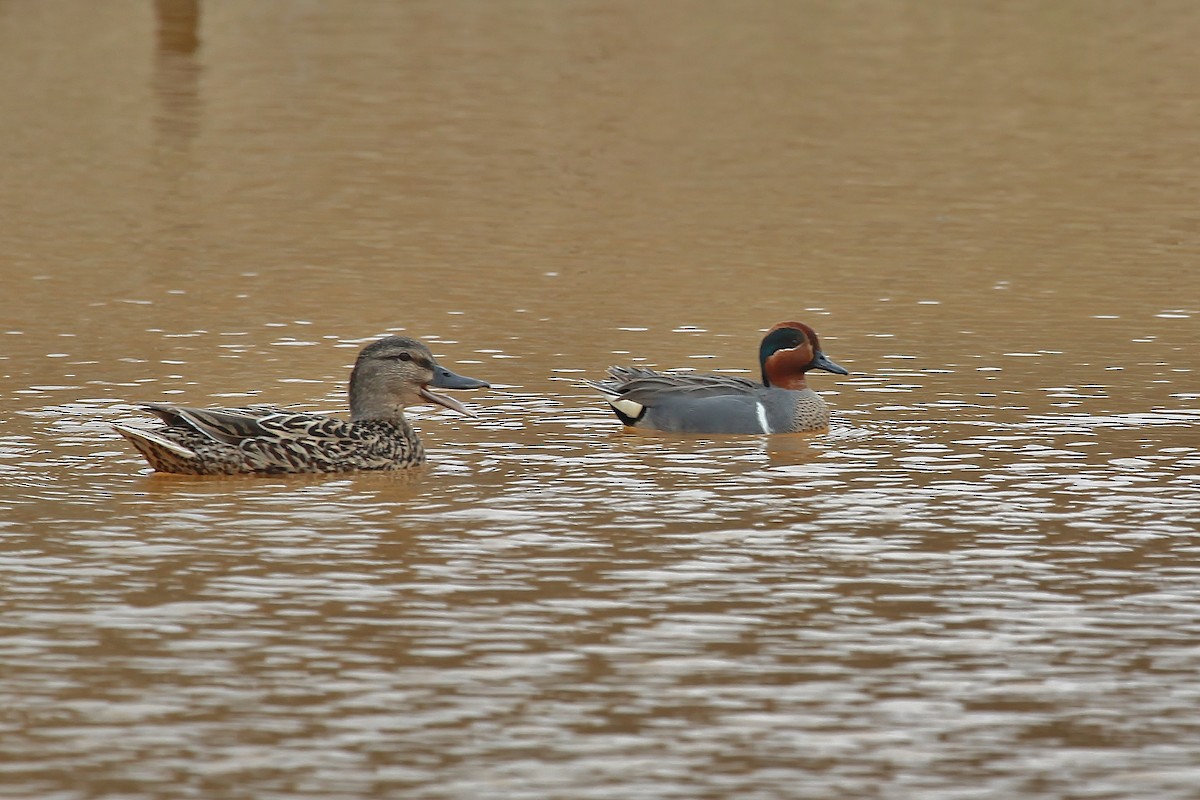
x=389 y=374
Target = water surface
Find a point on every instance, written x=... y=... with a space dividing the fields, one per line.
x=982 y=582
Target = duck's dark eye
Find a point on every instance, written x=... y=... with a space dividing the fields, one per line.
x=403 y=356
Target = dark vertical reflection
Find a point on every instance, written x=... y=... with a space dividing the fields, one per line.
x=176 y=84
x=176 y=73
x=177 y=24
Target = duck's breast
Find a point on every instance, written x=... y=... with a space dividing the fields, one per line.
x=791 y=411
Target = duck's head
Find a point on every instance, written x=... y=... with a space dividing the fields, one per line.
x=397 y=371
x=789 y=350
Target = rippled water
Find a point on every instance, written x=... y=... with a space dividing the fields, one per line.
x=982 y=582
x=556 y=609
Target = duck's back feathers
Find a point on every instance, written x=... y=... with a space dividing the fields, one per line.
x=227 y=425
x=640 y=383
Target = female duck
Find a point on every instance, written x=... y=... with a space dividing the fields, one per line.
x=686 y=403
x=389 y=374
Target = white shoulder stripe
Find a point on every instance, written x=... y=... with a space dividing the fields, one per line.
x=762 y=417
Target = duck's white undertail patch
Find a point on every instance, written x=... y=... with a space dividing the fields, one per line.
x=762 y=417
x=627 y=407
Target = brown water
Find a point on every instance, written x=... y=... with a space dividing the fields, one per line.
x=983 y=582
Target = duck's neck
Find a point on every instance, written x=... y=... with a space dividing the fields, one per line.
x=796 y=382
x=372 y=403
x=361 y=413
x=784 y=369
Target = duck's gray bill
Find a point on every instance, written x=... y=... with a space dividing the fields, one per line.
x=821 y=362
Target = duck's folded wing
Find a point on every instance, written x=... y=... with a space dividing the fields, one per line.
x=226 y=425
x=643 y=385
x=233 y=425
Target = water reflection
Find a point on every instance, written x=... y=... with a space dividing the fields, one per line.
x=178 y=26
x=177 y=122
x=177 y=76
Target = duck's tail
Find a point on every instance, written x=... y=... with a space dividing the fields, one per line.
x=162 y=453
x=626 y=410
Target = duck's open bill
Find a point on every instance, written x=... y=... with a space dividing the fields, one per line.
x=448 y=402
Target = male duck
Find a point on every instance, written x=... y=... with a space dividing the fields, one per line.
x=389 y=374
x=686 y=403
